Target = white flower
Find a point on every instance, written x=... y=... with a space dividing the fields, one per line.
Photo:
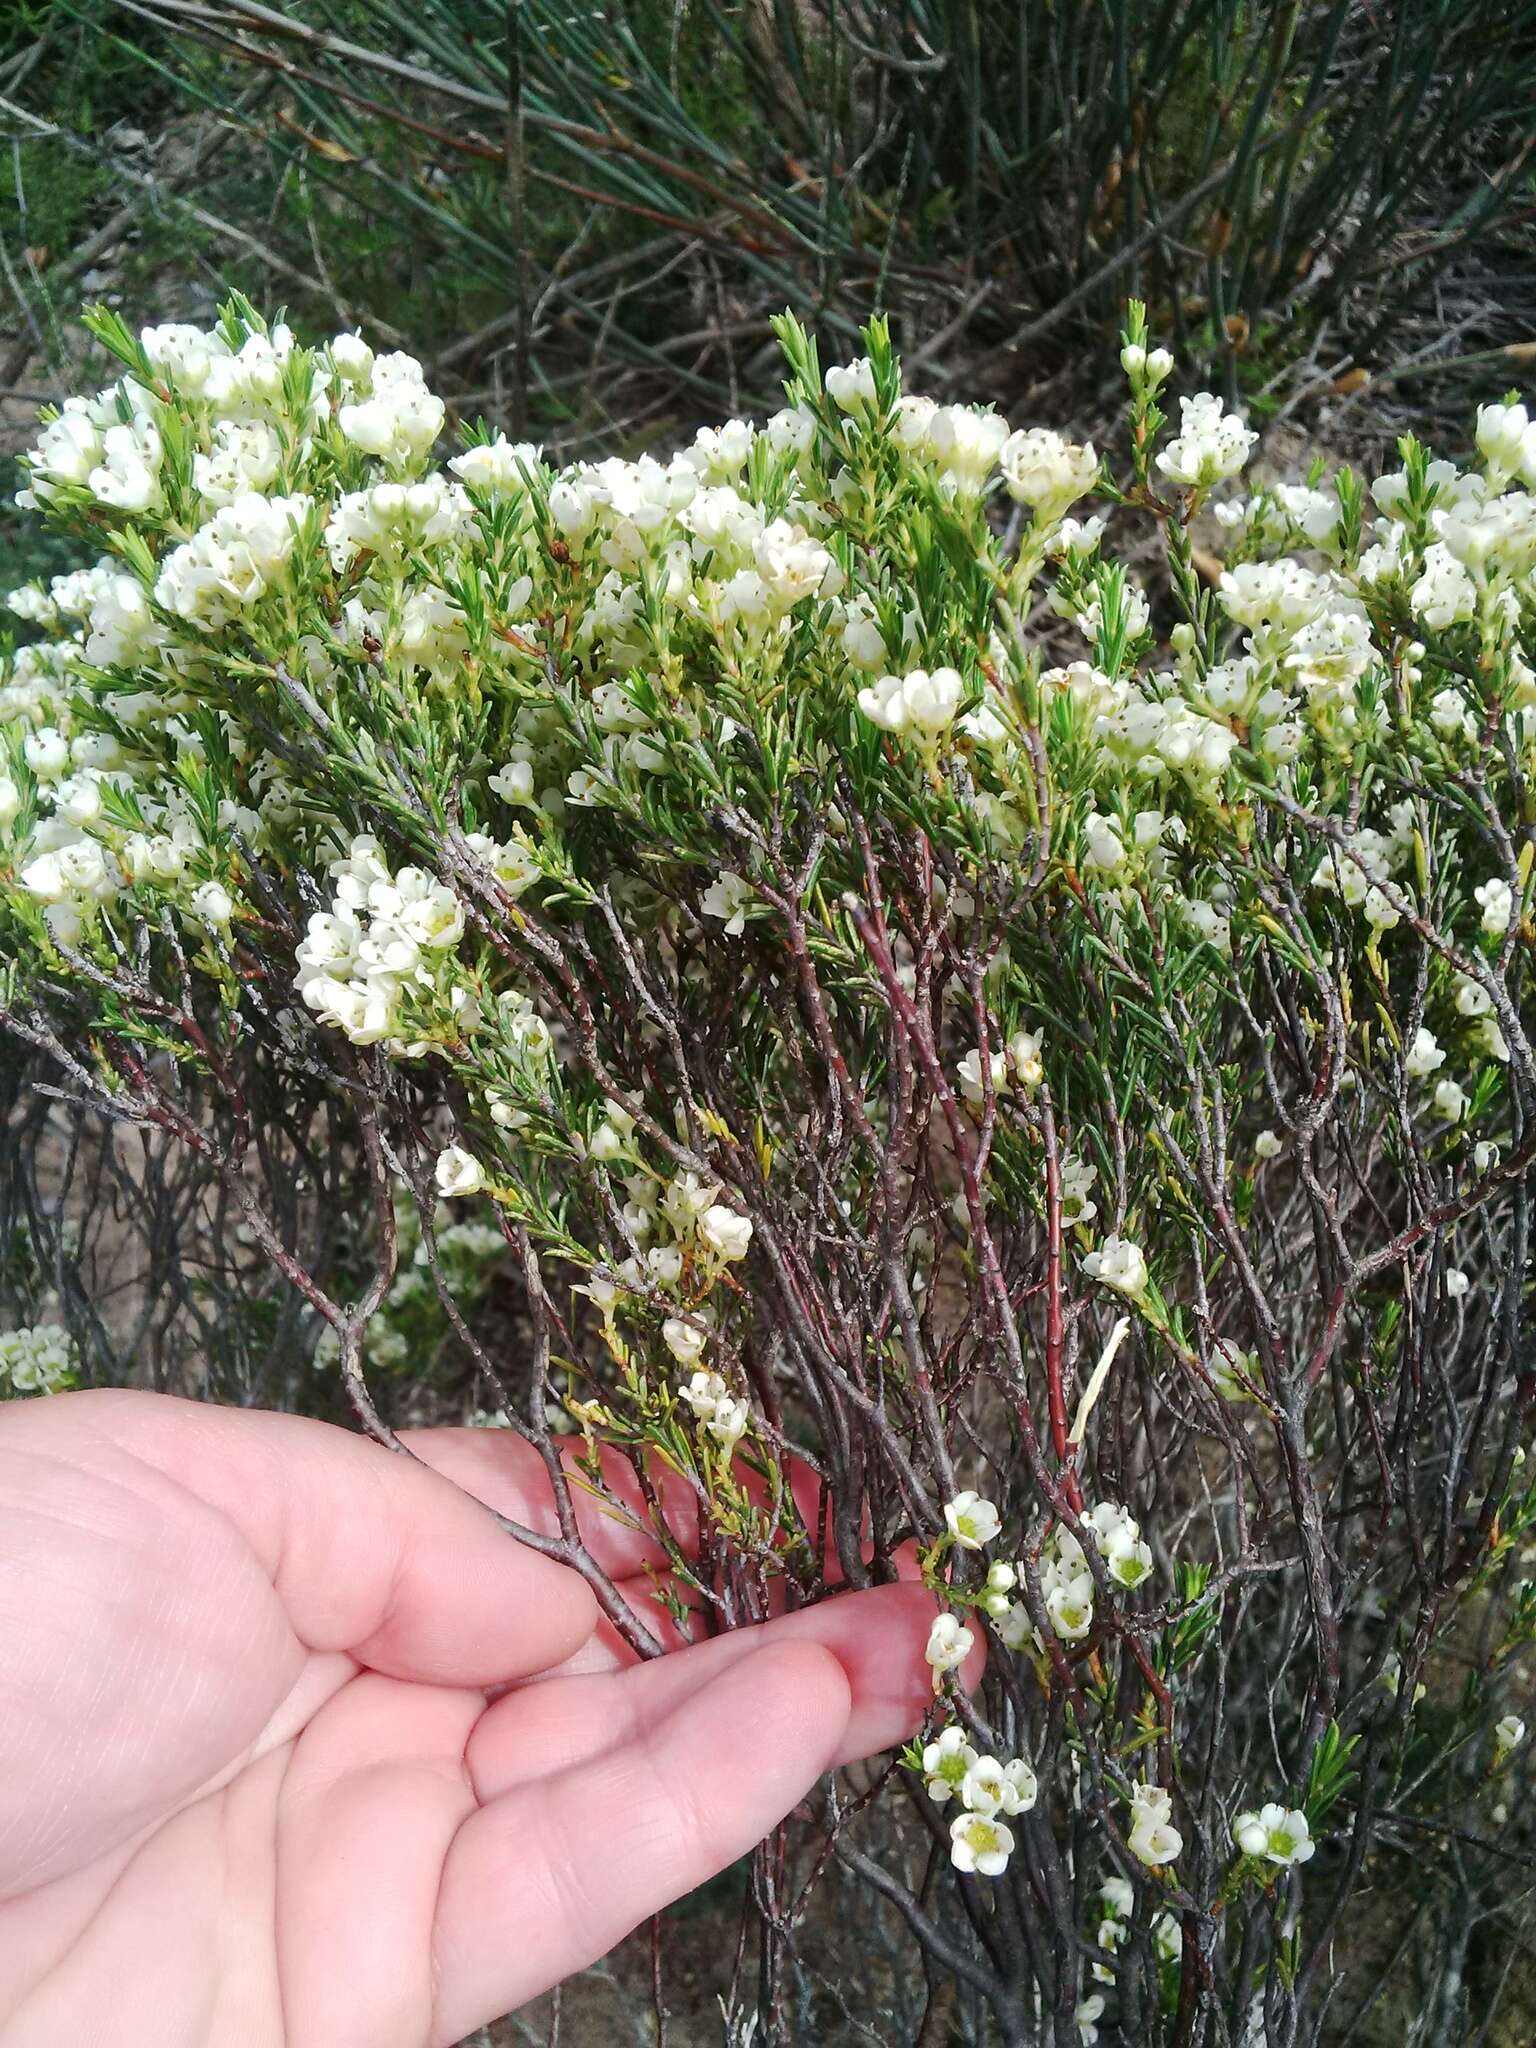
x=1445 y=594
x=1103 y=847
x=459 y=1172
x=46 y=752
x=72 y=873
x=1472 y=999
x=1119 y=1540
x=245 y=457
x=1508 y=1734
x=1024 y=1057
x=513 y=782
x=1077 y=1179
x=1503 y=437
x=608 y=1141
x=1451 y=1101
x=1000 y=1581
x=979 y=1846
x=1266 y=1146
x=212 y=902
x=964 y=442
x=727 y=1234
x=851 y=386
x=1149 y=365
x=1085 y=2017
x=1045 y=470
x=990 y=1787
x=684 y=1339
x=67 y=450
x=721 y=1412
x=1119 y=1895
x=1423 y=1056
x=1167 y=1938
x=497 y=465
x=972 y=1086
x=664 y=1263
x=353 y=357
x=932 y=697
x=39 y=1359
x=1118 y=1263
x=1277 y=1834
x=883 y=704
x=1111 y=1936
x=1498 y=906
x=727 y=897
x=688 y=1195
x=232 y=562
x=948 y=1644
x=862 y=639
x=1212 y=443
x=1069 y=1608
x=973 y=1522
x=401 y=419
x=705 y=1393
x=792 y=565
x=1456 y=1282
x=1153 y=1839
x=945 y=1764
x=729 y=1422
x=1379 y=911
x=128 y=475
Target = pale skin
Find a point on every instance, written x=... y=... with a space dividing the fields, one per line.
x=302 y=1751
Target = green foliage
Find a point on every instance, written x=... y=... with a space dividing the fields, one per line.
x=1330 y=1776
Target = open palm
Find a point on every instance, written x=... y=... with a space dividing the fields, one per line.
x=273 y=1769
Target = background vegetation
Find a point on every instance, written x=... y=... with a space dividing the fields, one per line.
x=584 y=213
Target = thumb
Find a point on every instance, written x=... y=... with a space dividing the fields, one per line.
x=541 y=1881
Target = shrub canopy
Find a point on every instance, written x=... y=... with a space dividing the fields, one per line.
x=977 y=1023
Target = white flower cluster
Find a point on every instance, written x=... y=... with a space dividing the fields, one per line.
x=726 y=1416
x=100 y=824
x=1066 y=1578
x=233 y=561
x=308 y=524
x=689 y=1236
x=37 y=1360
x=990 y=1793
x=381 y=964
x=388 y=411
x=1043 y=469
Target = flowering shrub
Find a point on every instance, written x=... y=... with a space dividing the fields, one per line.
x=973 y=1058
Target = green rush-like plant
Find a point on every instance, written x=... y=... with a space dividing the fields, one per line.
x=593 y=209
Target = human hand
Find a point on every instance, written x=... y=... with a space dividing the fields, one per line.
x=259 y=1785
